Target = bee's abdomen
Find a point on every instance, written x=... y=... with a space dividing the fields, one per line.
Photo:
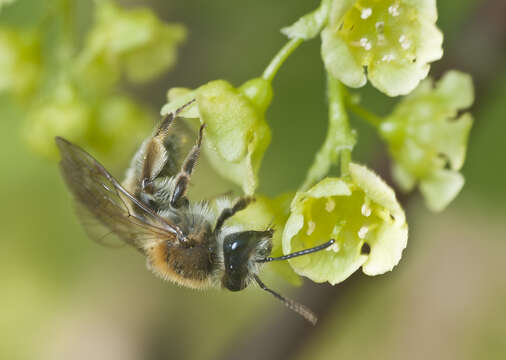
x=187 y=266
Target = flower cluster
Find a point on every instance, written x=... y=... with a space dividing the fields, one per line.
x=133 y=41
x=390 y=43
x=20 y=61
x=74 y=92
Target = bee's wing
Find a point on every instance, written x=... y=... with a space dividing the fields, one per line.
x=103 y=199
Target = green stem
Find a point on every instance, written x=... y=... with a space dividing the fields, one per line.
x=279 y=59
x=371 y=118
x=345 y=162
x=340 y=138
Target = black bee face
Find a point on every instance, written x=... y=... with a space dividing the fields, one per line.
x=240 y=251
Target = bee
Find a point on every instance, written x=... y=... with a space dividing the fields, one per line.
x=183 y=241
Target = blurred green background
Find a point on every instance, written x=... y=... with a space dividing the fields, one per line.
x=63 y=296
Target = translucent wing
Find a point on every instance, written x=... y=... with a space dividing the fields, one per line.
x=100 y=196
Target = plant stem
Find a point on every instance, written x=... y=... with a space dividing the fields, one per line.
x=371 y=118
x=279 y=59
x=340 y=138
x=345 y=162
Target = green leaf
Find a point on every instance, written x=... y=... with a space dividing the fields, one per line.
x=363 y=216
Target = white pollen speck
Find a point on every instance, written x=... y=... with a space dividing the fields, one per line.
x=394 y=10
x=365 y=43
x=311 y=225
x=405 y=43
x=363 y=232
x=330 y=205
x=366 y=210
x=388 y=57
x=366 y=13
x=334 y=247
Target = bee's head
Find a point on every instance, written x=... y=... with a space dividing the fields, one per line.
x=241 y=254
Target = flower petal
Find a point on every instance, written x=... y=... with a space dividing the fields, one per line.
x=456 y=89
x=396 y=79
x=339 y=61
x=441 y=188
x=377 y=190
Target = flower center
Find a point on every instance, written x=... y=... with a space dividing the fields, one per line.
x=379 y=31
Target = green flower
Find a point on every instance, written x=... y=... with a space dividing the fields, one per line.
x=20 y=61
x=236 y=134
x=134 y=41
x=427 y=139
x=5 y=2
x=265 y=213
x=394 y=39
x=120 y=124
x=61 y=113
x=362 y=215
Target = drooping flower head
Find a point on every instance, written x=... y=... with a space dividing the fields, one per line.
x=236 y=133
x=361 y=214
x=428 y=140
x=393 y=41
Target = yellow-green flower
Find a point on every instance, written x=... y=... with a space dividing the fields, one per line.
x=120 y=124
x=20 y=61
x=5 y=2
x=134 y=41
x=62 y=113
x=395 y=40
x=428 y=139
x=236 y=133
x=362 y=215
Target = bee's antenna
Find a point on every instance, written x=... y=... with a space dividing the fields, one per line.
x=299 y=253
x=291 y=304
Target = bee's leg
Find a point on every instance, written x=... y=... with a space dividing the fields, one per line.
x=155 y=155
x=177 y=197
x=241 y=204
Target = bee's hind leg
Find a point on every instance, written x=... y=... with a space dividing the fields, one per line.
x=177 y=198
x=154 y=157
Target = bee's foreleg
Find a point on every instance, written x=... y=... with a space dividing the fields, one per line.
x=241 y=204
x=183 y=178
